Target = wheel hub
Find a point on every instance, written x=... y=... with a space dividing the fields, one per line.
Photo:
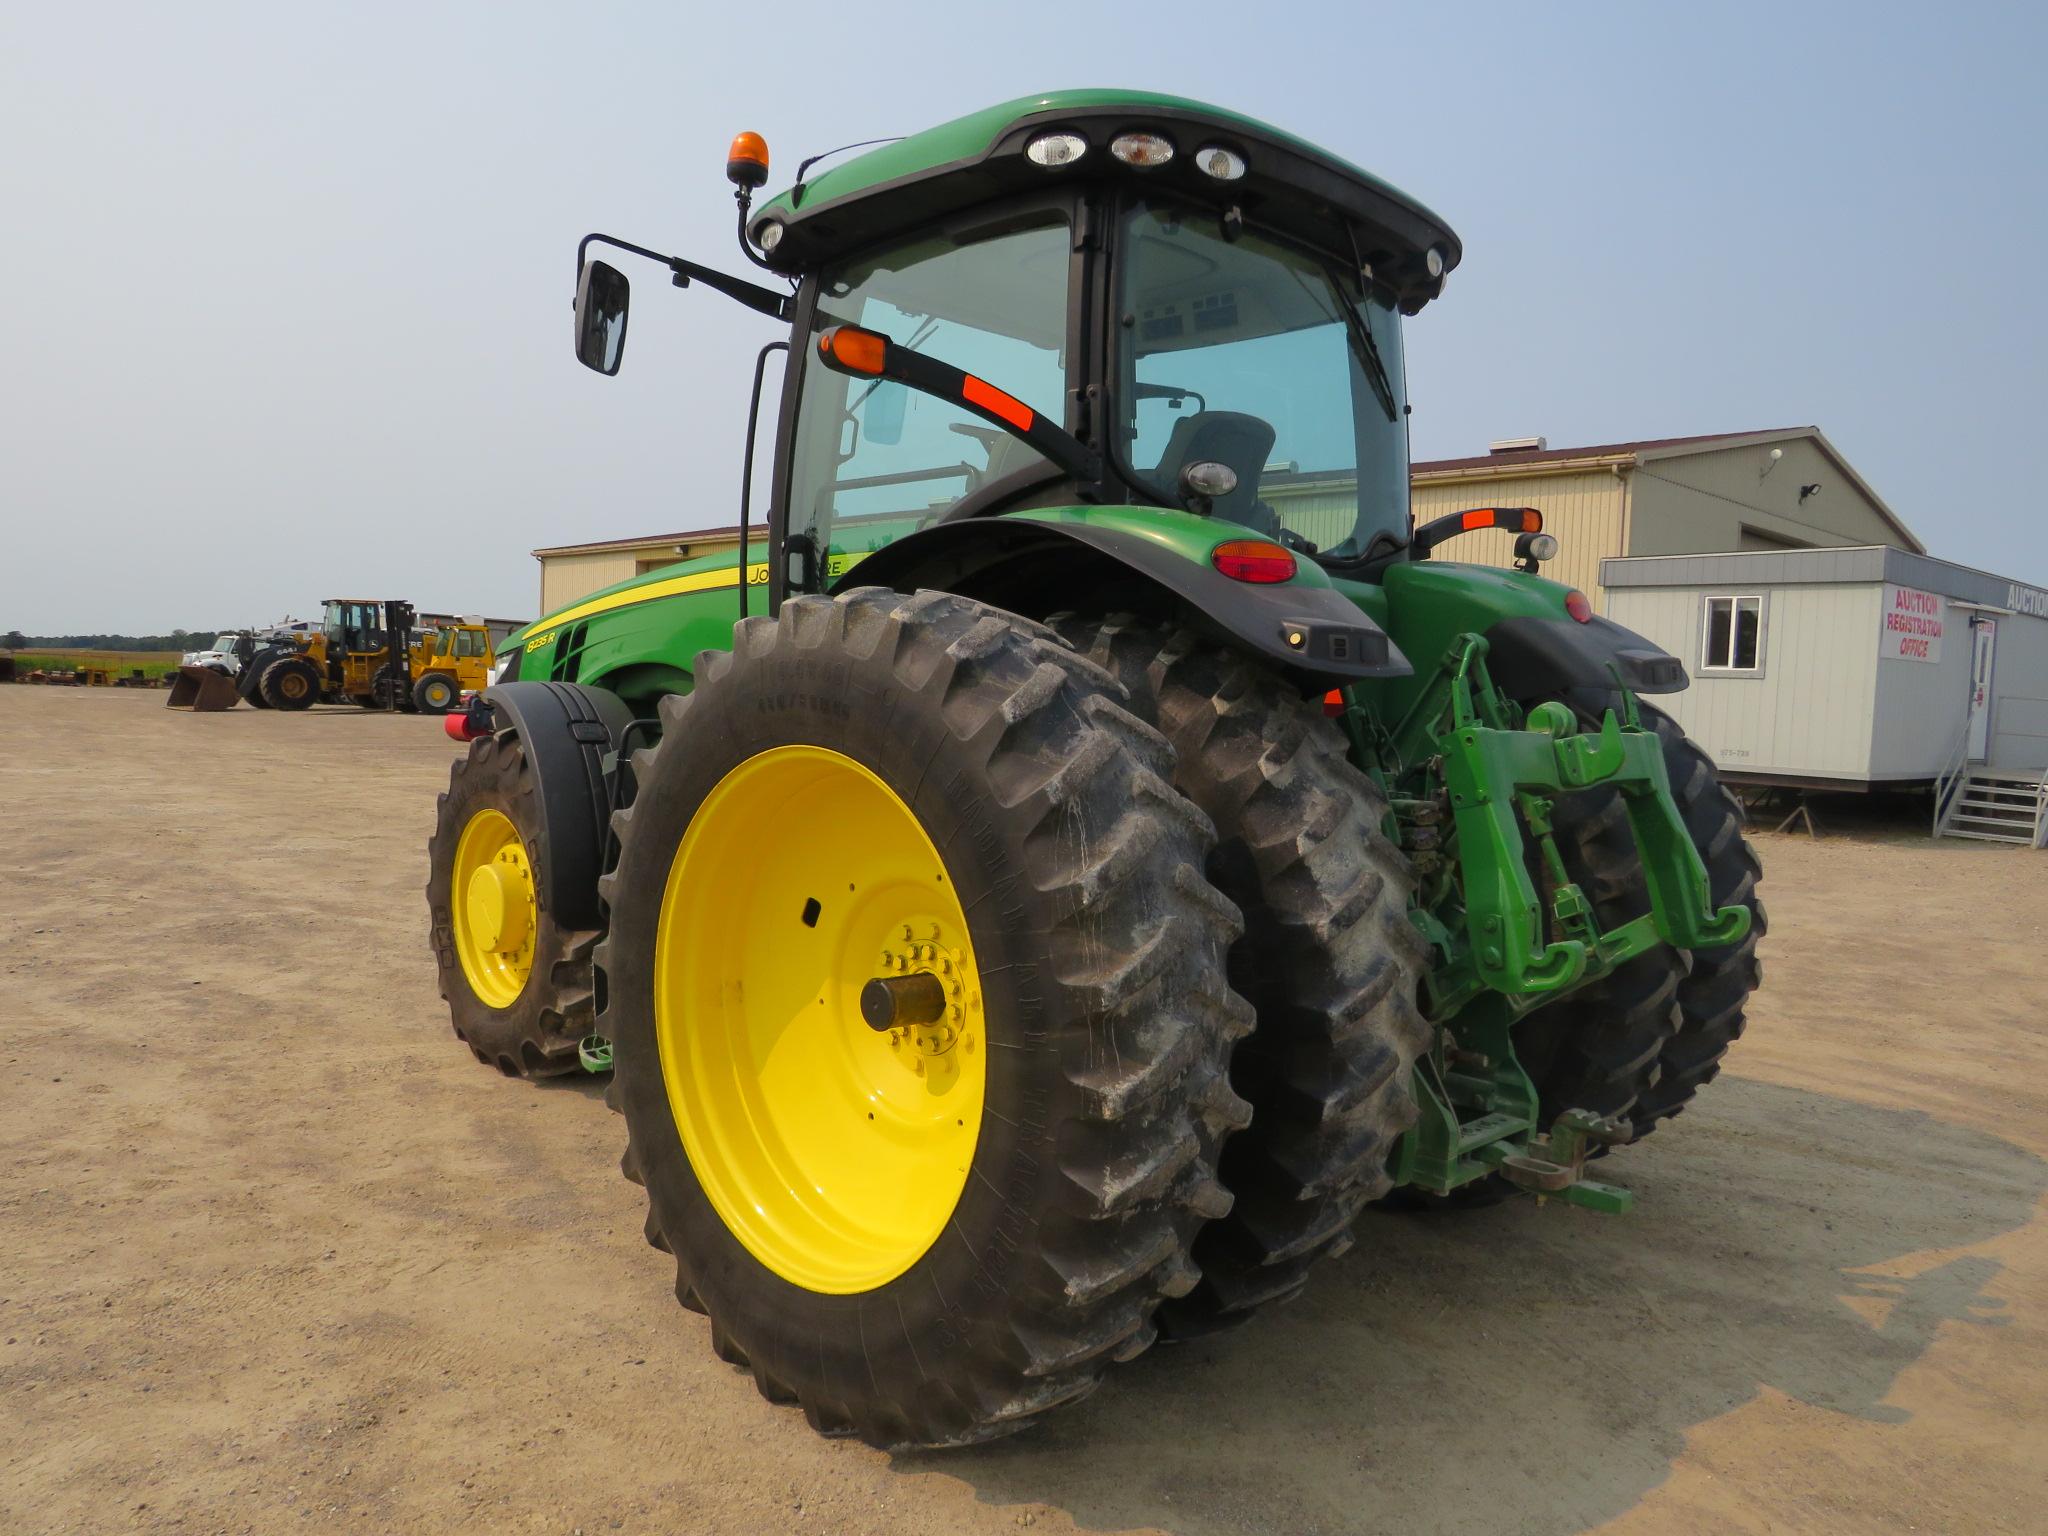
x=932 y=1010
x=497 y=900
x=494 y=910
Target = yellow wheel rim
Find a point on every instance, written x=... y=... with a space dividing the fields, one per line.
x=834 y=1150
x=492 y=904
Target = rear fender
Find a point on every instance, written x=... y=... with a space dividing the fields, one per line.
x=567 y=731
x=1313 y=634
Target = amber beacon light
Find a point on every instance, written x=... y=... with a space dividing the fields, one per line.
x=746 y=162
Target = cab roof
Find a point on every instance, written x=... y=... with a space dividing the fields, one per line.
x=1289 y=184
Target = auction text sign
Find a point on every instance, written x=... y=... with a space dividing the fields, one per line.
x=1913 y=622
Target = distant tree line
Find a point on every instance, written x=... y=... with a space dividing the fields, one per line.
x=176 y=640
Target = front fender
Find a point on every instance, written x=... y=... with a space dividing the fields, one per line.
x=1311 y=633
x=1540 y=658
x=1534 y=649
x=566 y=732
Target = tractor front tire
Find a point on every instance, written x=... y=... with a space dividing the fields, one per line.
x=936 y=1233
x=519 y=987
x=292 y=683
x=1640 y=1043
x=1329 y=957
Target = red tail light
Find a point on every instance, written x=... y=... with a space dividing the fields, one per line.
x=1333 y=703
x=1253 y=560
x=1578 y=607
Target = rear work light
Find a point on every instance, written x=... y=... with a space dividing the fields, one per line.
x=1253 y=560
x=1055 y=149
x=1143 y=150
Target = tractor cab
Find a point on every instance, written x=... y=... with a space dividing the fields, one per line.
x=352 y=626
x=1082 y=299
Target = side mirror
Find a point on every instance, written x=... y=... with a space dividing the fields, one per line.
x=882 y=415
x=602 y=298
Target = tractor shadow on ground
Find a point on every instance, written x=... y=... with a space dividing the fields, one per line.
x=1537 y=1369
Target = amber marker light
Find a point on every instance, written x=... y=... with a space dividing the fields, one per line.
x=1008 y=407
x=746 y=162
x=853 y=350
x=1514 y=519
x=1253 y=560
x=1578 y=607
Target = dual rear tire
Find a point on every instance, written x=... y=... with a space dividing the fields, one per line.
x=854 y=774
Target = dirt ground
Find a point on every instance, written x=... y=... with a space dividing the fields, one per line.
x=276 y=1254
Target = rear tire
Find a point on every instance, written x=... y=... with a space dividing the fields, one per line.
x=1108 y=1017
x=1329 y=958
x=536 y=1032
x=292 y=683
x=435 y=694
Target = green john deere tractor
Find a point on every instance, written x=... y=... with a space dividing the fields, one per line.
x=1111 y=847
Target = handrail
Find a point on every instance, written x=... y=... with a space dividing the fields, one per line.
x=1947 y=787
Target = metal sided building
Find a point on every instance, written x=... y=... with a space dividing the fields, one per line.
x=1854 y=669
x=1785 y=488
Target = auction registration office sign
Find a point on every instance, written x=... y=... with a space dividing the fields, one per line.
x=1913 y=622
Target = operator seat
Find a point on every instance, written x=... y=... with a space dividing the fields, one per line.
x=1243 y=442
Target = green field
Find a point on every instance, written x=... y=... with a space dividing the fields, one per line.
x=120 y=663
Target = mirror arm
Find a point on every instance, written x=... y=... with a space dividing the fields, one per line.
x=767 y=301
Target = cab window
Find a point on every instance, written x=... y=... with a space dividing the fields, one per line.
x=872 y=459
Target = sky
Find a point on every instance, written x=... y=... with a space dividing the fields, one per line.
x=285 y=293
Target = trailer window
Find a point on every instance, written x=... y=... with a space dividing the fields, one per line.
x=1734 y=635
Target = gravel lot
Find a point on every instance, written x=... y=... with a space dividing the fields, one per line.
x=276 y=1254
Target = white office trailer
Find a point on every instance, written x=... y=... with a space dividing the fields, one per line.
x=1857 y=669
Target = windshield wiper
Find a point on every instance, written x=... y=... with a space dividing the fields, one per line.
x=1364 y=348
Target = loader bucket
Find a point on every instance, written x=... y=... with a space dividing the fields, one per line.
x=202 y=689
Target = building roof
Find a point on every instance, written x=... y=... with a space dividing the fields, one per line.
x=1849 y=564
x=1650 y=447
x=653 y=540
x=1646 y=450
